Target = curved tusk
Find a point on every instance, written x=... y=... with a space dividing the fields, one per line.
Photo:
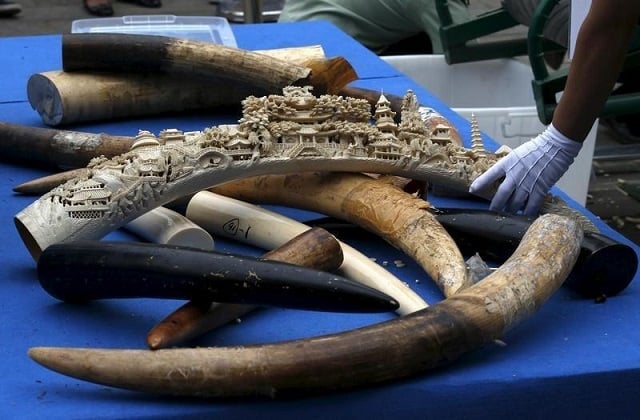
x=265 y=141
x=89 y=270
x=220 y=215
x=375 y=204
x=390 y=350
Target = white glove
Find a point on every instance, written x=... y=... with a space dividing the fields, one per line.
x=529 y=172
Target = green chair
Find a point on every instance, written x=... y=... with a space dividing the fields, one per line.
x=459 y=40
x=461 y=43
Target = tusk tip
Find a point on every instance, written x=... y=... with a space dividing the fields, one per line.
x=55 y=358
x=155 y=343
x=42 y=355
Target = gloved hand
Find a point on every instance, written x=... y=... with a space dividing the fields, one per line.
x=530 y=170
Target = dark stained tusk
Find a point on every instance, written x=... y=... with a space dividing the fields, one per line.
x=224 y=216
x=605 y=267
x=62 y=97
x=143 y=53
x=88 y=270
x=314 y=248
x=399 y=348
x=58 y=147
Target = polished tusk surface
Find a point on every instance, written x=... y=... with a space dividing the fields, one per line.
x=314 y=248
x=165 y=226
x=220 y=215
x=377 y=205
x=382 y=352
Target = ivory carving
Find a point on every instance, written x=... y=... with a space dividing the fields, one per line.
x=292 y=132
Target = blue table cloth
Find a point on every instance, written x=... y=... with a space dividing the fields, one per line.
x=573 y=358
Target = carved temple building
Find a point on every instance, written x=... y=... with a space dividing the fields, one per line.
x=294 y=125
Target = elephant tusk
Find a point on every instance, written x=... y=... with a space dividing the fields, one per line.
x=399 y=348
x=135 y=53
x=400 y=218
x=116 y=191
x=220 y=215
x=165 y=226
x=90 y=270
x=314 y=248
x=58 y=147
x=244 y=222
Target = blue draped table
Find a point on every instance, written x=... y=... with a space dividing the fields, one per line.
x=573 y=358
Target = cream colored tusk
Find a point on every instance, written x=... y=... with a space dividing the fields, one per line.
x=402 y=347
x=224 y=216
x=165 y=226
x=62 y=97
x=374 y=204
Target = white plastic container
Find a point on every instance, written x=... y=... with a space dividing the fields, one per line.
x=499 y=94
x=213 y=29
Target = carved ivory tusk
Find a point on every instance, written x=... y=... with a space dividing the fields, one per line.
x=390 y=350
x=226 y=216
x=400 y=218
x=277 y=134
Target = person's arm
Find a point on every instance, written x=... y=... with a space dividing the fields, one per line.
x=601 y=46
x=530 y=170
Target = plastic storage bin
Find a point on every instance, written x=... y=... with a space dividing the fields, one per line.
x=213 y=29
x=498 y=93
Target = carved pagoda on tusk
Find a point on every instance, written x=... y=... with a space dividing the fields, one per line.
x=293 y=132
